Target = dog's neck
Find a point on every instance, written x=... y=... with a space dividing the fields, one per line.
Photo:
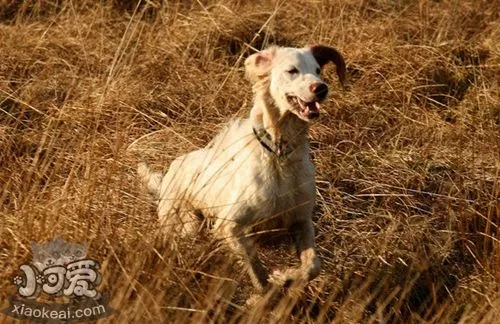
x=285 y=131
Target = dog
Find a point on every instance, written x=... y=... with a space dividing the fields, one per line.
x=256 y=174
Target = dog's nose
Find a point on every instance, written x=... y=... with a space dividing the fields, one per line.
x=319 y=89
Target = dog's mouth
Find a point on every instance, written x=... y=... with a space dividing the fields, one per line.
x=306 y=110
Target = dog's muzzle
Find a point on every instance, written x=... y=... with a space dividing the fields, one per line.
x=320 y=90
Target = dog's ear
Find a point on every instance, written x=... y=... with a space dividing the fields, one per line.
x=324 y=54
x=259 y=64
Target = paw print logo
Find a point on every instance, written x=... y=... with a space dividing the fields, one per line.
x=40 y=279
x=18 y=281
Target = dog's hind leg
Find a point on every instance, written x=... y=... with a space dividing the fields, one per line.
x=151 y=179
x=177 y=209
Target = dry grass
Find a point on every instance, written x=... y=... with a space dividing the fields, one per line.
x=407 y=159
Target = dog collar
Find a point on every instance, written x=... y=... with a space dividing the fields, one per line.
x=281 y=150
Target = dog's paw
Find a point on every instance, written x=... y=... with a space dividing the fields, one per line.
x=253 y=300
x=290 y=278
x=282 y=278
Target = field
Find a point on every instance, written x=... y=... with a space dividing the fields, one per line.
x=407 y=158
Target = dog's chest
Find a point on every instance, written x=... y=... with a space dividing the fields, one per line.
x=276 y=190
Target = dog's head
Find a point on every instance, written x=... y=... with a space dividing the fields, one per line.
x=293 y=77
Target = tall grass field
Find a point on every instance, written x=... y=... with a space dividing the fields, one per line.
x=407 y=156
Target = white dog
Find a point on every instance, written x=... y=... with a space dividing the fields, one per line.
x=256 y=174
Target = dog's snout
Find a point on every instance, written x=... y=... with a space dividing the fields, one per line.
x=319 y=89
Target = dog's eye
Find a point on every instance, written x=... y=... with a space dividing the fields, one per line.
x=318 y=71
x=293 y=70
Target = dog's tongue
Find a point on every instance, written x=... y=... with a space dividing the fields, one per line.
x=309 y=109
x=312 y=106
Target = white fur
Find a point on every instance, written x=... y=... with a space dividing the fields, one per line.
x=239 y=185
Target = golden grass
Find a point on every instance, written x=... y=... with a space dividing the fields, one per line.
x=407 y=159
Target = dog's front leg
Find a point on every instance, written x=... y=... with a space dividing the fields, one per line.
x=246 y=249
x=303 y=234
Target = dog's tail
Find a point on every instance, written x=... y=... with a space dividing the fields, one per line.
x=150 y=179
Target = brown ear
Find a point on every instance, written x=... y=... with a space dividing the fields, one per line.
x=259 y=64
x=324 y=54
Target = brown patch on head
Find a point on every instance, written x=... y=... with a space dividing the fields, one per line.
x=324 y=54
